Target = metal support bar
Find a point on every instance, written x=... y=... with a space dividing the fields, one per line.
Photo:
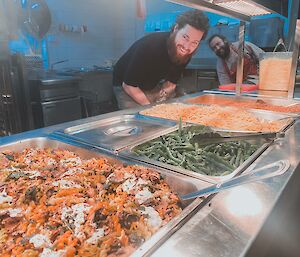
x=293 y=15
x=240 y=62
x=296 y=46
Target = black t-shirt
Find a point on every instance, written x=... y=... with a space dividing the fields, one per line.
x=146 y=63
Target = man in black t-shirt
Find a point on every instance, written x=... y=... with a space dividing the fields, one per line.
x=149 y=70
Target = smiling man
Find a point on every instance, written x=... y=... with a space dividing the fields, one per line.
x=227 y=58
x=149 y=70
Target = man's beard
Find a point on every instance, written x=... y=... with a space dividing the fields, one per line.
x=172 y=50
x=224 y=51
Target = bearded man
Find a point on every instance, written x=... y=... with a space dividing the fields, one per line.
x=149 y=70
x=227 y=54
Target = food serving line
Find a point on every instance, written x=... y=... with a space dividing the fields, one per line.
x=222 y=224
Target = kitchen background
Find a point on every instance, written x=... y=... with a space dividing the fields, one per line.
x=61 y=53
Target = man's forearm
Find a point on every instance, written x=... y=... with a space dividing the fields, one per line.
x=136 y=94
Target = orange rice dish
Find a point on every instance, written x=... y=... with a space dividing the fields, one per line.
x=231 y=118
x=255 y=104
x=55 y=204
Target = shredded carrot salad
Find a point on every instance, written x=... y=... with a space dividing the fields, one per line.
x=53 y=203
x=216 y=116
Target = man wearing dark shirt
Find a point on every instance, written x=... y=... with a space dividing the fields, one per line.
x=149 y=70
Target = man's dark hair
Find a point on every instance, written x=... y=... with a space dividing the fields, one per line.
x=214 y=36
x=194 y=18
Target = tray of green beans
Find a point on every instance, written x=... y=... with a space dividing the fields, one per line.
x=179 y=151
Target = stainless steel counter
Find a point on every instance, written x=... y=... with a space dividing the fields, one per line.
x=230 y=223
x=234 y=218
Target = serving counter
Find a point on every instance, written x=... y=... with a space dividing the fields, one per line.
x=235 y=222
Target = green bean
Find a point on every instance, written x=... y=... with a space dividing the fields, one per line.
x=184 y=147
x=171 y=156
x=238 y=157
x=162 y=159
x=191 y=158
x=169 y=161
x=180 y=127
x=219 y=160
x=232 y=160
x=201 y=170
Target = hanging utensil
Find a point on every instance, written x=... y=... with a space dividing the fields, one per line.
x=264 y=172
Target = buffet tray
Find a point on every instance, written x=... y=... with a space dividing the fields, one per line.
x=262 y=142
x=260 y=114
x=209 y=99
x=179 y=183
x=116 y=132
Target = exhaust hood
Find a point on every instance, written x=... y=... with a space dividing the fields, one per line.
x=239 y=9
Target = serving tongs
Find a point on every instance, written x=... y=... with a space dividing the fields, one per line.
x=264 y=172
x=216 y=138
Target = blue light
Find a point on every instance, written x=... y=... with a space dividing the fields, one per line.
x=35 y=6
x=24 y=3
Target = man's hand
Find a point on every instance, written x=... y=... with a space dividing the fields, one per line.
x=136 y=94
x=168 y=89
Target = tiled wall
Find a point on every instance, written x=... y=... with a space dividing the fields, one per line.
x=112 y=26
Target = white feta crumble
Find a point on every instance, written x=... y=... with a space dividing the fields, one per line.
x=129 y=175
x=49 y=253
x=4 y=198
x=40 y=241
x=128 y=185
x=15 y=213
x=75 y=215
x=153 y=219
x=27 y=160
x=71 y=161
x=72 y=171
x=51 y=162
x=32 y=173
x=143 y=195
x=96 y=236
x=141 y=182
x=65 y=184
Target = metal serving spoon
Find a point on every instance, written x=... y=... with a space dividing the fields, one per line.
x=264 y=172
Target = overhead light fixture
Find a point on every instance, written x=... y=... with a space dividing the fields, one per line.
x=239 y=9
x=246 y=7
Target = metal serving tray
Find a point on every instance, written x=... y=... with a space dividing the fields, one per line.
x=260 y=114
x=116 y=132
x=215 y=98
x=179 y=183
x=263 y=145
